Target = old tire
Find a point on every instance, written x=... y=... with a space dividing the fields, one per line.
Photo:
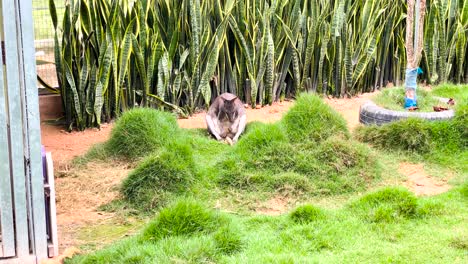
x=372 y=114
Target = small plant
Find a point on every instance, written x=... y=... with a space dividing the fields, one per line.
x=185 y=218
x=171 y=170
x=307 y=213
x=312 y=119
x=141 y=131
x=386 y=205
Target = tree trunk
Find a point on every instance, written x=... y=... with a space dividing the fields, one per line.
x=414 y=47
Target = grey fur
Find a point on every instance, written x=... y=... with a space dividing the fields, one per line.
x=226 y=118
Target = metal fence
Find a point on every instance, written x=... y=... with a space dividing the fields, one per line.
x=44 y=39
x=23 y=236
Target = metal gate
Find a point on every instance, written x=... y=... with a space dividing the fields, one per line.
x=22 y=217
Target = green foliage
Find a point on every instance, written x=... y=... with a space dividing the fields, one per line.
x=307 y=213
x=312 y=119
x=111 y=55
x=141 y=131
x=170 y=170
x=185 y=218
x=386 y=205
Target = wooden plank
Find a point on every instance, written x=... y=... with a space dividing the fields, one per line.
x=32 y=123
x=6 y=202
x=53 y=209
x=16 y=127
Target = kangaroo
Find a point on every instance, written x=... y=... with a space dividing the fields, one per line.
x=226 y=118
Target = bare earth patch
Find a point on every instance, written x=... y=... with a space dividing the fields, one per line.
x=419 y=182
x=81 y=192
x=349 y=107
x=274 y=206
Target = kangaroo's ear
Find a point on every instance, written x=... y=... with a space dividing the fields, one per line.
x=233 y=99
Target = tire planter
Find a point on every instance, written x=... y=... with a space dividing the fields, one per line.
x=372 y=114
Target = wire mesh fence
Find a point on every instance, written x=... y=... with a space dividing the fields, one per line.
x=44 y=40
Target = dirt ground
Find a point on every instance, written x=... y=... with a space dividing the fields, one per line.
x=81 y=192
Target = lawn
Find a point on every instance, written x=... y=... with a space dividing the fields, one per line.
x=199 y=199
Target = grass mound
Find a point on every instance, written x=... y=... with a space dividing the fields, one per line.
x=307 y=213
x=312 y=119
x=170 y=170
x=334 y=166
x=141 y=131
x=352 y=164
x=386 y=205
x=185 y=218
x=410 y=135
x=259 y=138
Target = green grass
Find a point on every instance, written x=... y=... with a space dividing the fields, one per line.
x=346 y=213
x=442 y=142
x=141 y=131
x=458 y=92
x=342 y=236
x=394 y=99
x=312 y=119
x=171 y=170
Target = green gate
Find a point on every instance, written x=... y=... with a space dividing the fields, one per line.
x=22 y=217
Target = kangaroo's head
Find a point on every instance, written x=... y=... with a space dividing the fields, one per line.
x=230 y=108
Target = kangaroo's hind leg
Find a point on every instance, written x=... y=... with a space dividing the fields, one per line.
x=213 y=127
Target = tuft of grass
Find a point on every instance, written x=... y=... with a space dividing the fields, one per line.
x=185 y=218
x=141 y=131
x=429 y=207
x=394 y=99
x=310 y=118
x=386 y=205
x=306 y=214
x=96 y=152
x=170 y=170
x=228 y=241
